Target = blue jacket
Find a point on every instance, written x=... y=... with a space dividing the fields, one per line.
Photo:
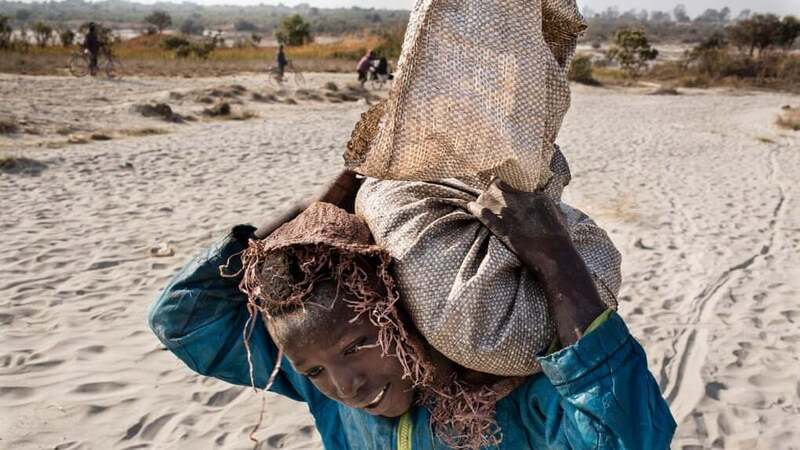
x=597 y=393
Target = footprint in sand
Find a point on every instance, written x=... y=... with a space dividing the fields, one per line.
x=713 y=389
x=224 y=398
x=220 y=440
x=134 y=429
x=151 y=430
x=99 y=388
x=276 y=441
x=16 y=392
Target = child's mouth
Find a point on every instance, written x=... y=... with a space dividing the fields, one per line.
x=378 y=398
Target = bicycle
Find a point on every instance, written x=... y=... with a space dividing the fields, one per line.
x=379 y=75
x=378 y=81
x=275 y=78
x=80 y=64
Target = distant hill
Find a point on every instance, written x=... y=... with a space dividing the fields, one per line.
x=265 y=18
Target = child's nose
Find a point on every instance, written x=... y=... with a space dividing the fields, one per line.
x=348 y=384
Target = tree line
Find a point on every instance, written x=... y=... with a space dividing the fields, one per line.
x=260 y=18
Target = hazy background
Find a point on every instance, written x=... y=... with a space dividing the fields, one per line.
x=694 y=7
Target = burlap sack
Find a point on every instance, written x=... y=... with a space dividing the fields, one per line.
x=467 y=293
x=480 y=91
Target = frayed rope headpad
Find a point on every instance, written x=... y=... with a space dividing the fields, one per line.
x=325 y=243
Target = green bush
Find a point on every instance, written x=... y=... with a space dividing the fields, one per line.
x=632 y=50
x=174 y=42
x=42 y=32
x=764 y=31
x=159 y=19
x=67 y=37
x=5 y=31
x=581 y=70
x=294 y=30
x=183 y=51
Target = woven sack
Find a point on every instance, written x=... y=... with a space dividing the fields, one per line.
x=480 y=91
x=467 y=293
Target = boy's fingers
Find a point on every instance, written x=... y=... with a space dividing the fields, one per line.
x=492 y=200
x=487 y=218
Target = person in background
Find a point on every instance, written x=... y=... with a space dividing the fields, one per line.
x=363 y=67
x=92 y=45
x=281 y=61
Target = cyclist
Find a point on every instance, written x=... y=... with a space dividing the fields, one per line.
x=380 y=70
x=363 y=67
x=282 y=62
x=92 y=45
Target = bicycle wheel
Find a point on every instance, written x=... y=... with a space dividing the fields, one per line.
x=112 y=68
x=79 y=65
x=299 y=79
x=273 y=80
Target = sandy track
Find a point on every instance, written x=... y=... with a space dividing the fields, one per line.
x=703 y=207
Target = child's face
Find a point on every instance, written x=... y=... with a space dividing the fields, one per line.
x=341 y=359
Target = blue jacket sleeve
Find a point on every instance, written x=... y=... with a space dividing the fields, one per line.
x=607 y=397
x=200 y=317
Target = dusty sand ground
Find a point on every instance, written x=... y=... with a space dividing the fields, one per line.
x=697 y=191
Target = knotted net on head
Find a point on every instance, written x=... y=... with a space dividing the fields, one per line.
x=480 y=91
x=325 y=243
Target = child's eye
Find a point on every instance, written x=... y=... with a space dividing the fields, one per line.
x=354 y=347
x=314 y=372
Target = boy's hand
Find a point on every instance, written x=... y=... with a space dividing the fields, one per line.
x=532 y=226
x=529 y=223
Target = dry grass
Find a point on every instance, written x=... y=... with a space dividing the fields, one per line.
x=789 y=119
x=145 y=55
x=778 y=71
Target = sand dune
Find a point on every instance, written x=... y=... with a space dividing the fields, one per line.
x=697 y=190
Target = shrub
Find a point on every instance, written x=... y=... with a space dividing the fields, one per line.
x=581 y=70
x=203 y=50
x=174 y=42
x=42 y=32
x=183 y=51
x=632 y=50
x=67 y=37
x=5 y=31
x=788 y=32
x=760 y=32
x=294 y=31
x=789 y=69
x=159 y=19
